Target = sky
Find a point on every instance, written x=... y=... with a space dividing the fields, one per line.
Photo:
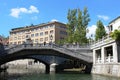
x=20 y=13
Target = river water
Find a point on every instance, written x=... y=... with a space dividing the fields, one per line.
x=60 y=76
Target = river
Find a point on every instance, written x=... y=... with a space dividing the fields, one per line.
x=60 y=76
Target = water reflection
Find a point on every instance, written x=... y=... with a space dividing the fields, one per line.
x=101 y=77
x=60 y=76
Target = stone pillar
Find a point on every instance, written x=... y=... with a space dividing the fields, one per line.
x=47 y=70
x=115 y=53
x=88 y=68
x=53 y=68
x=103 y=54
x=94 y=56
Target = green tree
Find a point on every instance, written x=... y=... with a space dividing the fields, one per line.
x=116 y=35
x=77 y=25
x=100 y=31
x=71 y=24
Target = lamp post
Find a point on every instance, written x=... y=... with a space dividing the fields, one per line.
x=51 y=38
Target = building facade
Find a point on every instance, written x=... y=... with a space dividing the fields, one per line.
x=106 y=53
x=114 y=24
x=46 y=32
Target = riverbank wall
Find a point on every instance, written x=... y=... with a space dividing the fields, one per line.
x=20 y=69
x=106 y=69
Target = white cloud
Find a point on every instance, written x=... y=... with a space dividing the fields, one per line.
x=54 y=20
x=91 y=31
x=103 y=17
x=15 y=12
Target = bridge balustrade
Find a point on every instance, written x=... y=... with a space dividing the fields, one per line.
x=59 y=48
x=108 y=59
x=101 y=42
x=72 y=46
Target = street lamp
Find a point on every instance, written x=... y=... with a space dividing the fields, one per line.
x=51 y=38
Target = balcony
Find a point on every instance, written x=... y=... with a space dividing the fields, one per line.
x=101 y=42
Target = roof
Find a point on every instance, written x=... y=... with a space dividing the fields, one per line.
x=114 y=19
x=34 y=26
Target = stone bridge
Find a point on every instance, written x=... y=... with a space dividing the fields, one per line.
x=83 y=54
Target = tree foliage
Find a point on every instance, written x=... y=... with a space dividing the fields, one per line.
x=71 y=24
x=77 y=23
x=100 y=31
x=116 y=35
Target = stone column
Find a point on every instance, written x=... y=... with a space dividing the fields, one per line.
x=53 y=68
x=88 y=68
x=94 y=56
x=115 y=53
x=103 y=54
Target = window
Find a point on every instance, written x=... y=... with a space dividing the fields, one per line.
x=41 y=34
x=110 y=27
x=19 y=42
x=41 y=28
x=23 y=37
x=27 y=36
x=19 y=37
x=36 y=34
x=36 y=40
x=32 y=35
x=32 y=30
x=46 y=38
x=63 y=27
x=51 y=32
x=51 y=25
x=46 y=33
x=63 y=32
x=46 y=27
x=41 y=39
x=15 y=38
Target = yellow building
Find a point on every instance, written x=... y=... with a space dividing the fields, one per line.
x=46 y=32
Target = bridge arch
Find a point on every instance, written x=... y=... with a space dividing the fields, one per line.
x=22 y=51
x=47 y=66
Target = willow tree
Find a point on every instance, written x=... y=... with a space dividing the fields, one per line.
x=77 y=25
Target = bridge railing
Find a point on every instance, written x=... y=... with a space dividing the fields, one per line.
x=63 y=49
x=73 y=46
x=74 y=52
x=68 y=46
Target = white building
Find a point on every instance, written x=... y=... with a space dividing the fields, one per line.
x=114 y=24
x=106 y=53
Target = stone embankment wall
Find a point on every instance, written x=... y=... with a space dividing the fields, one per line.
x=106 y=69
x=22 y=68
